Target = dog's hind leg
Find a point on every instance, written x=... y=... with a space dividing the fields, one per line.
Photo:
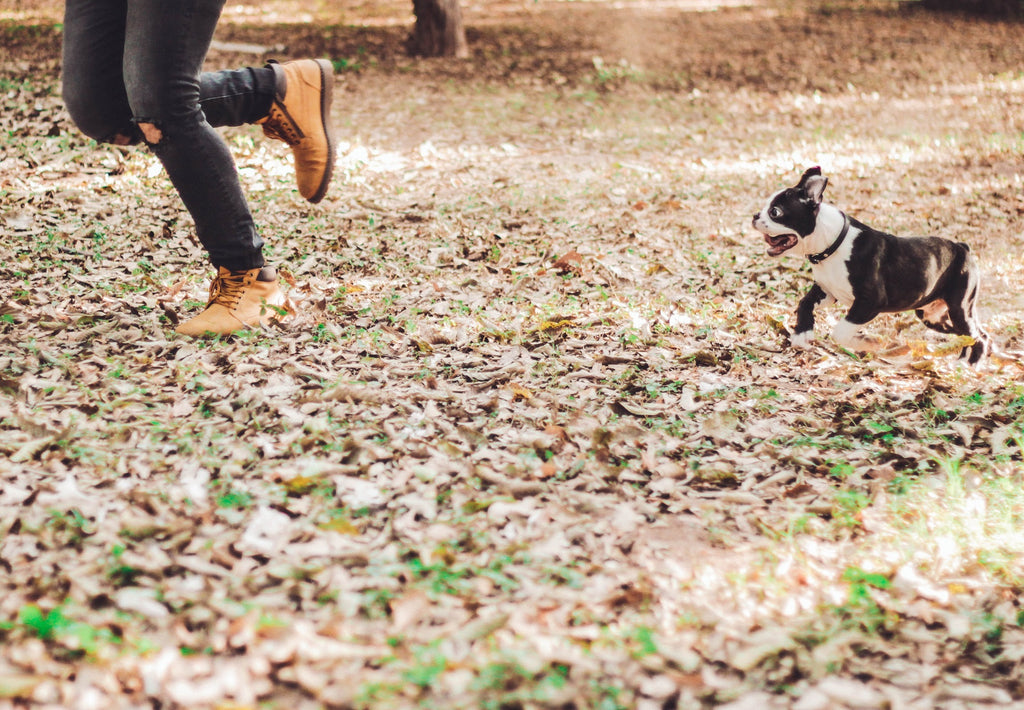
x=965 y=322
x=962 y=315
x=935 y=315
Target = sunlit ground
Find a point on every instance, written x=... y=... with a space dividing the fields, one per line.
x=767 y=511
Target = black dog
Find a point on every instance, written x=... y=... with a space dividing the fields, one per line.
x=871 y=272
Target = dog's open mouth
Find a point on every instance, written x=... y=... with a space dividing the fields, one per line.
x=779 y=243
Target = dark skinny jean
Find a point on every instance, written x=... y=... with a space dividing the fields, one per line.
x=133 y=71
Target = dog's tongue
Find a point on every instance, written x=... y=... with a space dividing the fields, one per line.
x=779 y=243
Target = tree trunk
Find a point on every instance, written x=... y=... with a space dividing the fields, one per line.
x=999 y=8
x=439 y=31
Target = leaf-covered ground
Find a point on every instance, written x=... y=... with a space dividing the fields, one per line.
x=534 y=437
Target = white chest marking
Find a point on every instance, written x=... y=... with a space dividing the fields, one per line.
x=832 y=274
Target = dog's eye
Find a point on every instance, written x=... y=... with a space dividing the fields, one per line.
x=775 y=212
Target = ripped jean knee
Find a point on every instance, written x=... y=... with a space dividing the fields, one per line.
x=151 y=132
x=171 y=131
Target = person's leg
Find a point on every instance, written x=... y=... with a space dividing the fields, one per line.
x=165 y=45
x=93 y=86
x=292 y=102
x=235 y=97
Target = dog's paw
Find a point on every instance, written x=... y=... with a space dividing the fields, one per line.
x=803 y=340
x=848 y=336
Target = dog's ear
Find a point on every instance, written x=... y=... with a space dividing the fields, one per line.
x=813 y=184
x=809 y=173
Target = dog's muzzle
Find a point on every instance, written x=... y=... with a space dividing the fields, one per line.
x=777 y=243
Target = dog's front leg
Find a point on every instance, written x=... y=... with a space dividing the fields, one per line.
x=805 y=316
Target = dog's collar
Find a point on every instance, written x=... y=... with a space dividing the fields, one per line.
x=822 y=255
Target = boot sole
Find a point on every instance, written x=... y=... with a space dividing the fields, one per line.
x=326 y=97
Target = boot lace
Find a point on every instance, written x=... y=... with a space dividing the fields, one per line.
x=227 y=290
x=280 y=125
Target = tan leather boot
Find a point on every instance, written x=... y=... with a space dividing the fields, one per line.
x=301 y=117
x=238 y=300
